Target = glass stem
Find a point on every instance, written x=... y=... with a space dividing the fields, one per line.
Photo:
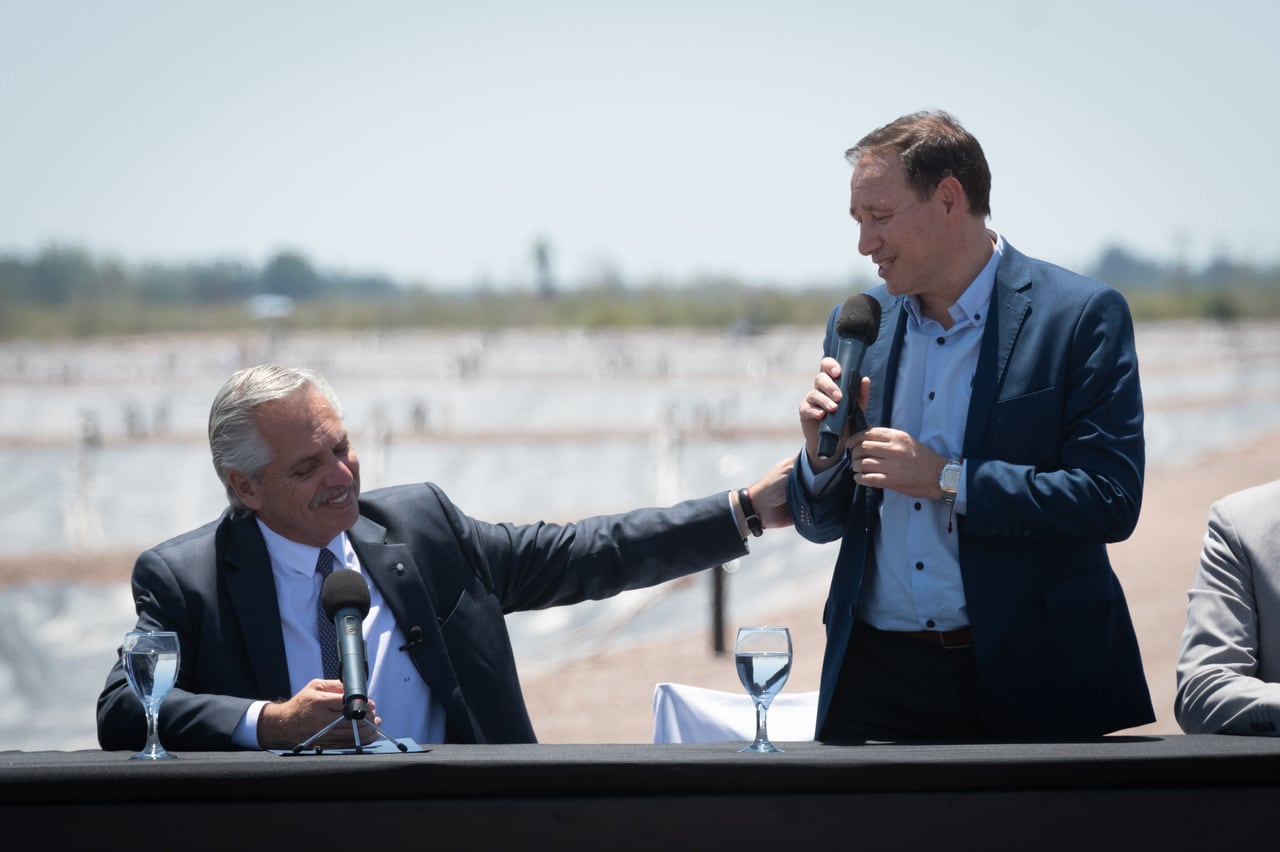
x=153 y=739
x=762 y=729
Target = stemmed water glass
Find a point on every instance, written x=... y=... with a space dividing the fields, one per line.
x=763 y=657
x=151 y=664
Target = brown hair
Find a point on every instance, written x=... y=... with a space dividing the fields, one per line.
x=931 y=146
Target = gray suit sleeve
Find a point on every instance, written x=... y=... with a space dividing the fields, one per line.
x=1227 y=666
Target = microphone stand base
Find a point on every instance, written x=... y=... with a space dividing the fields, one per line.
x=355 y=732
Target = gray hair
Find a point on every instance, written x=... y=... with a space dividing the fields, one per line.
x=234 y=437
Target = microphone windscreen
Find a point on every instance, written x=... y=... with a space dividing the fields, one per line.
x=344 y=589
x=859 y=318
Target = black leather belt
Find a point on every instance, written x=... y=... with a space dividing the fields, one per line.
x=961 y=637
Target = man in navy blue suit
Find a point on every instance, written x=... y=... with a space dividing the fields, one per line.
x=1002 y=451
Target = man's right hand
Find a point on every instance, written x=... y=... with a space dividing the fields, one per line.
x=284 y=724
x=821 y=400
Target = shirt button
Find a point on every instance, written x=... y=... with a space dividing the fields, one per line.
x=930 y=394
x=917 y=507
x=941 y=340
x=930 y=623
x=919 y=566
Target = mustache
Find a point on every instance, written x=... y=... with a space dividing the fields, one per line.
x=333 y=494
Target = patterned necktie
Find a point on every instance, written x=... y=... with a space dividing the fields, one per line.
x=324 y=627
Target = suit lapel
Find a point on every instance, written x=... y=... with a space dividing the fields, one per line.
x=252 y=592
x=1010 y=307
x=398 y=576
x=882 y=366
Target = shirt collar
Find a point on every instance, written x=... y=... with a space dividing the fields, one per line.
x=971 y=307
x=288 y=555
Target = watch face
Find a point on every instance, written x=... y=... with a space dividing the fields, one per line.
x=951 y=477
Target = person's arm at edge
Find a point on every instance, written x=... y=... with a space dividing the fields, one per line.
x=1218 y=690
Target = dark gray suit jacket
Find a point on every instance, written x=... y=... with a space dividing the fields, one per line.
x=439 y=570
x=1054 y=459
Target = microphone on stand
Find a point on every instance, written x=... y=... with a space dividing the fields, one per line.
x=345 y=600
x=856 y=329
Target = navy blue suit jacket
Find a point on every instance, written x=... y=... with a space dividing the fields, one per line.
x=1054 y=460
x=439 y=570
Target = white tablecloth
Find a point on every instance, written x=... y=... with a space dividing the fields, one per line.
x=691 y=714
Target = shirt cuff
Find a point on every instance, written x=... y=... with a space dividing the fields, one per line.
x=739 y=517
x=817 y=483
x=246 y=733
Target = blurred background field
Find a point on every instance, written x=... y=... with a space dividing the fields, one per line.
x=104 y=451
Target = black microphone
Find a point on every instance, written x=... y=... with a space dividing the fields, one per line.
x=856 y=328
x=345 y=599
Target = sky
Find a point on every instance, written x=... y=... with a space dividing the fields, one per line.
x=436 y=143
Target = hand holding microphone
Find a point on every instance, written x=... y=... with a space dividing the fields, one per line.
x=857 y=326
x=317 y=705
x=345 y=599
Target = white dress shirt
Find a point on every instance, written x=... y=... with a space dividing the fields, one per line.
x=403 y=698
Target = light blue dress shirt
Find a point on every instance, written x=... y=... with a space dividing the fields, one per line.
x=403 y=698
x=916 y=583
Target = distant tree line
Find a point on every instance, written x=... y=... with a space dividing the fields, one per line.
x=1224 y=289
x=61 y=276
x=66 y=291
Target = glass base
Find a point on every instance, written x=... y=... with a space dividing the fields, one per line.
x=761 y=747
x=153 y=754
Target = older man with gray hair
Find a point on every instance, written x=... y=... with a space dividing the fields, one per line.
x=242 y=592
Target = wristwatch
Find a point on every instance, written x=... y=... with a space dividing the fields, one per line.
x=749 y=512
x=949 y=480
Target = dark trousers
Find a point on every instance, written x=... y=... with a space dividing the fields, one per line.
x=892 y=687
